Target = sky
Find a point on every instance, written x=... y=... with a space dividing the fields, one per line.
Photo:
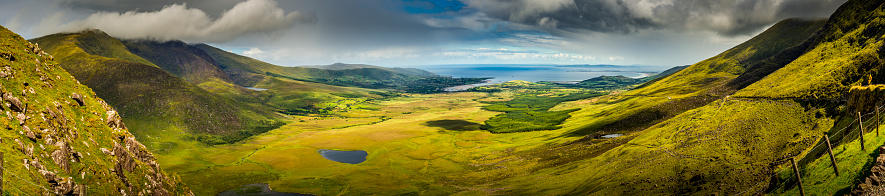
x=411 y=33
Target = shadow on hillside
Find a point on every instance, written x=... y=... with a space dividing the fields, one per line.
x=454 y=125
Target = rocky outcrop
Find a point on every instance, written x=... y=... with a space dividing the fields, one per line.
x=60 y=133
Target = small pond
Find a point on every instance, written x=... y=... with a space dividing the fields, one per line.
x=256 y=190
x=612 y=135
x=255 y=89
x=351 y=157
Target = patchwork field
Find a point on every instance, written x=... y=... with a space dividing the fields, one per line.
x=433 y=137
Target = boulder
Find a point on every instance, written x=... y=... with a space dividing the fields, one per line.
x=78 y=98
x=14 y=103
x=21 y=118
x=114 y=120
x=30 y=133
x=49 y=176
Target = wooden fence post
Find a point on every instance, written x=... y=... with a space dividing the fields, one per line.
x=830 y=151
x=877 y=120
x=860 y=121
x=798 y=177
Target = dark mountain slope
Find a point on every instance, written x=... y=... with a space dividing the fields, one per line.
x=146 y=93
x=61 y=139
x=180 y=59
x=342 y=66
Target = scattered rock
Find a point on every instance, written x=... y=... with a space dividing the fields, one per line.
x=30 y=133
x=114 y=120
x=36 y=164
x=79 y=98
x=14 y=103
x=106 y=151
x=21 y=146
x=123 y=158
x=7 y=55
x=49 y=177
x=65 y=186
x=62 y=155
x=21 y=118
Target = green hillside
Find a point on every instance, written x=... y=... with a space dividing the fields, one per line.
x=246 y=71
x=189 y=63
x=62 y=139
x=683 y=134
x=168 y=106
x=848 y=52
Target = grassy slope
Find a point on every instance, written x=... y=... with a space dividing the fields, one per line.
x=728 y=146
x=190 y=63
x=146 y=93
x=82 y=128
x=683 y=104
x=848 y=53
x=284 y=94
x=692 y=87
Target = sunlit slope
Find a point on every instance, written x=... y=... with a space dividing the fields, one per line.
x=62 y=139
x=725 y=147
x=702 y=77
x=692 y=87
x=848 y=53
x=147 y=93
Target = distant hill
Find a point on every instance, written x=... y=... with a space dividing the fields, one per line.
x=342 y=66
x=147 y=94
x=61 y=138
x=247 y=71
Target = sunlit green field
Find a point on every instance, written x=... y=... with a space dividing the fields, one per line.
x=416 y=144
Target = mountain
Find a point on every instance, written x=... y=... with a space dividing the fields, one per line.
x=246 y=71
x=62 y=139
x=342 y=66
x=152 y=99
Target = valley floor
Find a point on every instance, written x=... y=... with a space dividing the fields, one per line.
x=416 y=144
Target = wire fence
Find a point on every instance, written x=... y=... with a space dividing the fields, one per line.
x=14 y=188
x=868 y=120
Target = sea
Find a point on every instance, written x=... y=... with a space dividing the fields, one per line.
x=535 y=73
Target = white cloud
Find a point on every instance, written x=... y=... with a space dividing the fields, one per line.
x=178 y=22
x=253 y=52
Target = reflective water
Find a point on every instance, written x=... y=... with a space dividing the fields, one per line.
x=351 y=157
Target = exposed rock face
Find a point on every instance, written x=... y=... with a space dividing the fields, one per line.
x=63 y=133
x=13 y=102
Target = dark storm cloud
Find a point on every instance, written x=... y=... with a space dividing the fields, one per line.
x=212 y=7
x=726 y=17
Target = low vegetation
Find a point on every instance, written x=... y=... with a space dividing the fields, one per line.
x=529 y=109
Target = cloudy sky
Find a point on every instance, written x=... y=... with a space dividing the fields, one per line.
x=428 y=32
